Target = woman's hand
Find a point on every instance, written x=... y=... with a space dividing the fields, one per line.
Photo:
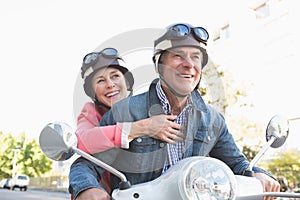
x=160 y=127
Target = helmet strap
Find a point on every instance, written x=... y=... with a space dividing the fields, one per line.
x=130 y=92
x=171 y=89
x=98 y=103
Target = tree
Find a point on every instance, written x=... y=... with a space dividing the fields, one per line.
x=6 y=154
x=286 y=164
x=229 y=98
x=30 y=160
x=250 y=152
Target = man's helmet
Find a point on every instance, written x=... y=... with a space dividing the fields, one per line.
x=181 y=35
x=95 y=61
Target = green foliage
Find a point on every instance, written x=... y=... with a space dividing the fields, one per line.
x=30 y=159
x=286 y=164
x=250 y=151
x=6 y=154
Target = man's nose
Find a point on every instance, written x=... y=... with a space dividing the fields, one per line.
x=188 y=62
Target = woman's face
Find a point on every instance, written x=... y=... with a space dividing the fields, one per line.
x=109 y=85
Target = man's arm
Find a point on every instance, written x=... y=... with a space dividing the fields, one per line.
x=227 y=150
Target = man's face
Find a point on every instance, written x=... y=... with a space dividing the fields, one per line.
x=181 y=69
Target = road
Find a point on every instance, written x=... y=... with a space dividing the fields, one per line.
x=6 y=194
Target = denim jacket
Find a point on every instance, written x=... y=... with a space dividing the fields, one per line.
x=207 y=135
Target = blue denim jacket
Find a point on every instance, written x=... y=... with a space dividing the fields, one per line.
x=207 y=135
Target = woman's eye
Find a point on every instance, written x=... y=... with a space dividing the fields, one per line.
x=115 y=76
x=100 y=81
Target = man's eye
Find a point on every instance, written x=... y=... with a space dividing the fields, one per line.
x=196 y=57
x=178 y=56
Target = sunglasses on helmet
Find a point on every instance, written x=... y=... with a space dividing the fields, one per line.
x=93 y=57
x=179 y=31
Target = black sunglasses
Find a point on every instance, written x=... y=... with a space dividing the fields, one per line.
x=178 y=31
x=93 y=57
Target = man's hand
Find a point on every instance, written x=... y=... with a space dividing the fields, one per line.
x=93 y=194
x=160 y=127
x=269 y=184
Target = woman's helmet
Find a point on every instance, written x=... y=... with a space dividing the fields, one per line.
x=95 y=61
x=181 y=35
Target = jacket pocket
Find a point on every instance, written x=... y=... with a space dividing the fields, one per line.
x=143 y=144
x=204 y=140
x=144 y=155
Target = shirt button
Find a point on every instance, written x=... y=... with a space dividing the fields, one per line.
x=208 y=137
x=161 y=145
x=139 y=140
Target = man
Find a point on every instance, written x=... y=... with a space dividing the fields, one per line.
x=179 y=57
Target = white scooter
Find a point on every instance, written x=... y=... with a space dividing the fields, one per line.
x=192 y=178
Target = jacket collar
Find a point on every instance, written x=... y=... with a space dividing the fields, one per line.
x=198 y=102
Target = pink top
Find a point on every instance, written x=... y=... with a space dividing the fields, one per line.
x=92 y=138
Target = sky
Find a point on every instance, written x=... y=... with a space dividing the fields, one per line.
x=42 y=43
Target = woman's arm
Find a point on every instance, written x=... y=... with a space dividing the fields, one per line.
x=94 y=139
x=91 y=137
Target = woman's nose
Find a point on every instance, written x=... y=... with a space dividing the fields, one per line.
x=110 y=83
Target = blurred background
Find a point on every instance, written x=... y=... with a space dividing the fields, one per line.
x=251 y=75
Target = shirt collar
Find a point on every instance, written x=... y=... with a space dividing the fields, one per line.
x=165 y=102
x=163 y=98
x=195 y=100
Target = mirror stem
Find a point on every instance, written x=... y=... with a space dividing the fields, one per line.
x=293 y=119
x=100 y=163
x=261 y=153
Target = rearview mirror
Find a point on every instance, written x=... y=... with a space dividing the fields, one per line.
x=277 y=128
x=56 y=141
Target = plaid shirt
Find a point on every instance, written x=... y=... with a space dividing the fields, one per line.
x=175 y=151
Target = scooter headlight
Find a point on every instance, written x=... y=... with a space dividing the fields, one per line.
x=208 y=178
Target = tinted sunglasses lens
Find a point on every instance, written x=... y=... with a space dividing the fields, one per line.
x=201 y=33
x=90 y=58
x=110 y=52
x=180 y=30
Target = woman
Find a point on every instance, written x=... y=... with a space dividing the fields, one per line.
x=106 y=82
